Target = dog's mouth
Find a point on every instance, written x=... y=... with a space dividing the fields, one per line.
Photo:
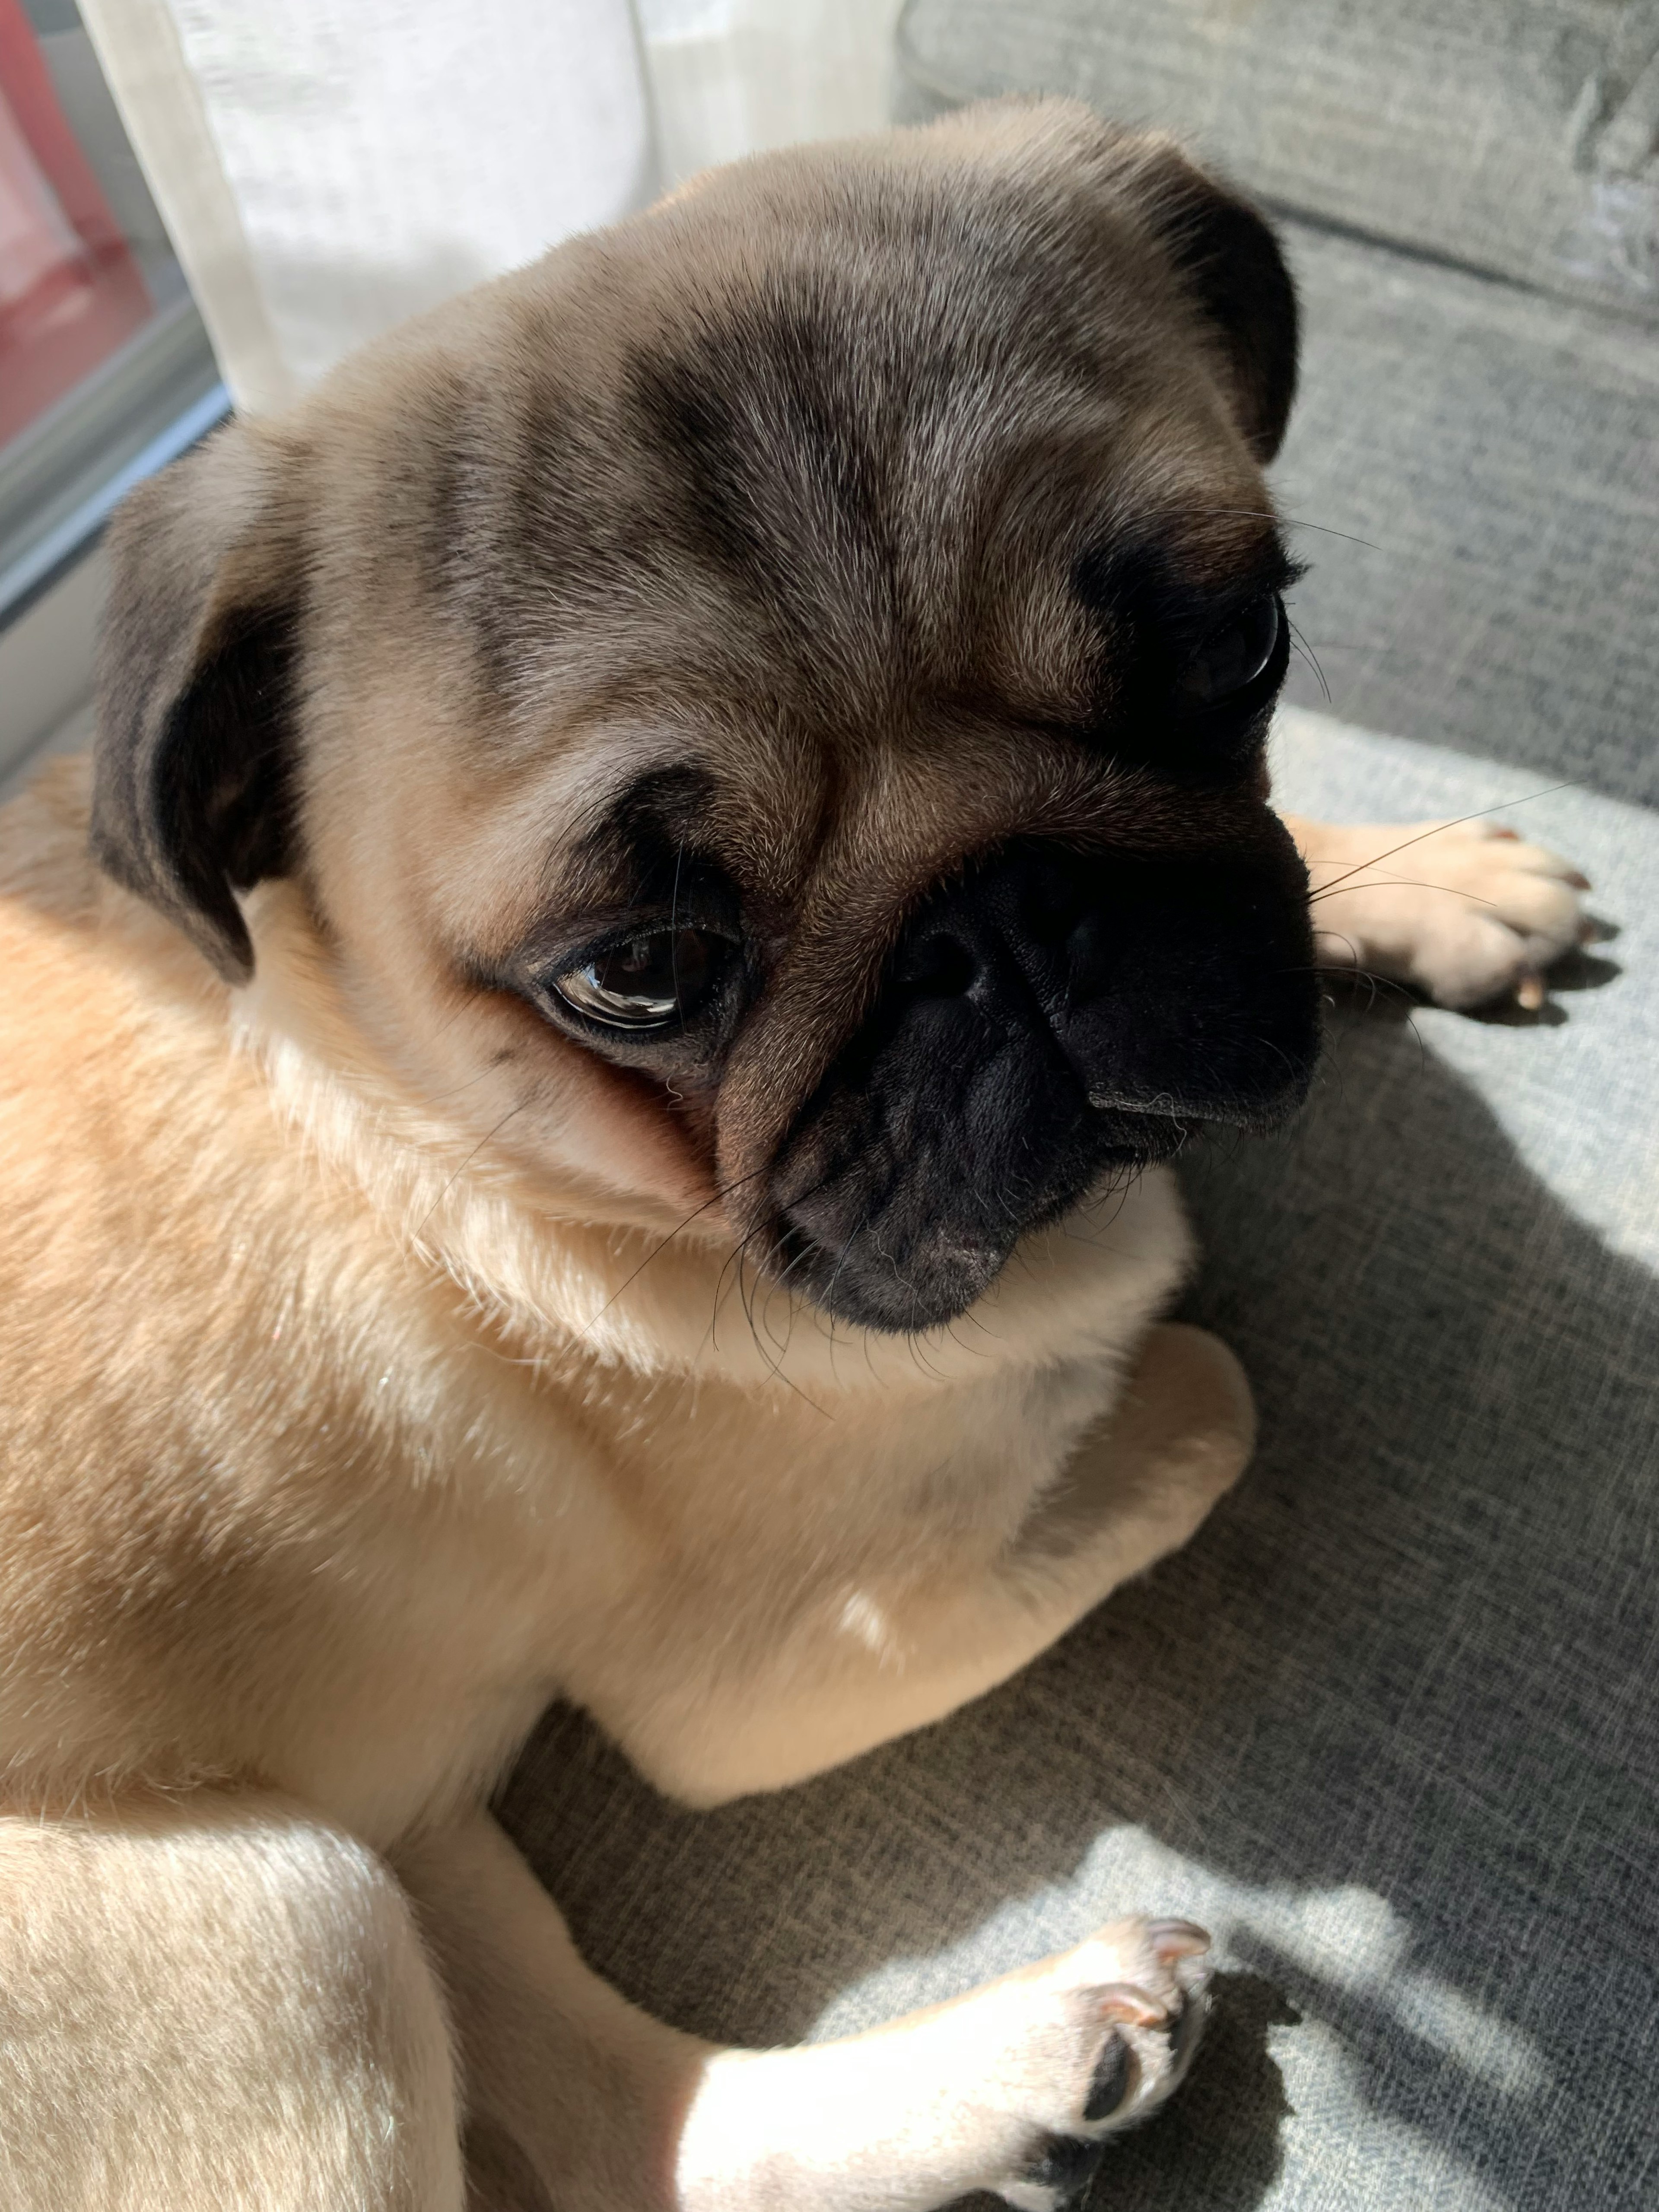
x=1007 y=1073
x=916 y=1252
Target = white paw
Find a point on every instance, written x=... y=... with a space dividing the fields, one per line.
x=1084 y=2045
x=1467 y=912
x=1016 y=2087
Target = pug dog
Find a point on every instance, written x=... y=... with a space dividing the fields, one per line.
x=586 y=1085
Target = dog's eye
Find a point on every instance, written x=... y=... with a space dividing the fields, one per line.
x=1230 y=659
x=646 y=983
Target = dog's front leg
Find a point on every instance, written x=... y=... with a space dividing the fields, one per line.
x=1015 y=2087
x=1463 y=911
x=558 y=2071
x=873 y=1661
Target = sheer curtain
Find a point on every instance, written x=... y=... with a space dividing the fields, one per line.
x=325 y=167
x=731 y=76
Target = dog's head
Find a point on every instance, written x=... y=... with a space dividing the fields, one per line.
x=766 y=705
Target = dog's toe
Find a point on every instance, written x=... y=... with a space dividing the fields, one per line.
x=1468 y=913
x=1142 y=2028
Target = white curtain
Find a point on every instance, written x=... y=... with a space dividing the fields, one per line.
x=325 y=167
x=731 y=76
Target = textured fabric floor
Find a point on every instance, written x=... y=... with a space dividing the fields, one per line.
x=1387 y=1726
x=1512 y=136
x=1499 y=455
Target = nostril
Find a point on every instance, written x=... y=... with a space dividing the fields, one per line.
x=940 y=966
x=1048 y=911
x=1091 y=950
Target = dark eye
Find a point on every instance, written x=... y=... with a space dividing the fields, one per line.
x=1232 y=658
x=650 y=982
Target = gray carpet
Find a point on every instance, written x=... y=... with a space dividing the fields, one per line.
x=1500 y=453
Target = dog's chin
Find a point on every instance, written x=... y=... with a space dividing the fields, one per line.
x=903 y=1277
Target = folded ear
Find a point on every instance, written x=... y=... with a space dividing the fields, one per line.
x=1231 y=263
x=192 y=774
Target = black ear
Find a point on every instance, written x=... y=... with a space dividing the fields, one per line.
x=192 y=772
x=1231 y=263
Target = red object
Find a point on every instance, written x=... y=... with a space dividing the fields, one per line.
x=70 y=292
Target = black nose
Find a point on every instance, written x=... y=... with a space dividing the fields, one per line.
x=1178 y=987
x=1052 y=1017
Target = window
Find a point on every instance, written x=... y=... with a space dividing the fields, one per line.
x=106 y=370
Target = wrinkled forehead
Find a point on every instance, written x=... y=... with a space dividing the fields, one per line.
x=818 y=421
x=882 y=446
x=766 y=523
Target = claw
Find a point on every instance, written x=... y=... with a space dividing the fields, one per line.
x=1177 y=1939
x=1135 y=2006
x=1530 y=991
x=1579 y=882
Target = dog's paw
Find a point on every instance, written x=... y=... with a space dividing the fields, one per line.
x=1017 y=2087
x=1102 y=2034
x=1466 y=912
